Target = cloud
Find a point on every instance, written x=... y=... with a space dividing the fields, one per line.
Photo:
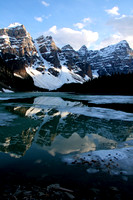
x=79 y=25
x=84 y=23
x=113 y=11
x=86 y=20
x=75 y=38
x=123 y=25
x=45 y=3
x=39 y=19
x=53 y=30
x=47 y=16
x=123 y=30
x=112 y=39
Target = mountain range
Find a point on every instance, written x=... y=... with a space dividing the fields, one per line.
x=27 y=64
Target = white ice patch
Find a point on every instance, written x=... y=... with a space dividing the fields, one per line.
x=110 y=99
x=104 y=99
x=102 y=113
x=7 y=90
x=115 y=162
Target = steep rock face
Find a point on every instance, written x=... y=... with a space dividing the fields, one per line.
x=17 y=41
x=68 y=56
x=48 y=50
x=112 y=59
x=83 y=52
x=17 y=51
x=75 y=60
x=17 y=48
x=14 y=81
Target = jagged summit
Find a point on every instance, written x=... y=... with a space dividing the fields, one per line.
x=67 y=47
x=83 y=47
x=17 y=41
x=112 y=59
x=46 y=43
x=15 y=25
x=83 y=51
x=123 y=43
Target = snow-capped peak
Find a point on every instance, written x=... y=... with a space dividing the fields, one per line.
x=67 y=48
x=83 y=50
x=14 y=25
x=123 y=43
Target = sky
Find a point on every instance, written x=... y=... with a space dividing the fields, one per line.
x=94 y=23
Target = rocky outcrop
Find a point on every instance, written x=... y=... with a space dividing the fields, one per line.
x=17 y=51
x=48 y=50
x=17 y=48
x=68 y=56
x=17 y=41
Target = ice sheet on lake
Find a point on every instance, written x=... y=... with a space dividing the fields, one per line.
x=115 y=162
x=96 y=99
x=111 y=99
x=7 y=90
x=103 y=99
x=79 y=109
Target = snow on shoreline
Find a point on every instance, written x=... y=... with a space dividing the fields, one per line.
x=114 y=161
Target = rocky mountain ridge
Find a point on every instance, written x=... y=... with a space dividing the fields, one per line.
x=116 y=58
x=16 y=40
x=49 y=67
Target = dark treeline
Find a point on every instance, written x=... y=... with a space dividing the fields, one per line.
x=117 y=84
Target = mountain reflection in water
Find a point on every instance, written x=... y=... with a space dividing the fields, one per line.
x=59 y=125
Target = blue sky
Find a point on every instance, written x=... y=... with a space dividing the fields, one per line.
x=94 y=23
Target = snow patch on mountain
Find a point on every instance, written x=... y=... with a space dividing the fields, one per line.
x=95 y=73
x=48 y=81
x=46 y=63
x=14 y=25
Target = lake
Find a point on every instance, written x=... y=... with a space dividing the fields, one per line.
x=38 y=131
